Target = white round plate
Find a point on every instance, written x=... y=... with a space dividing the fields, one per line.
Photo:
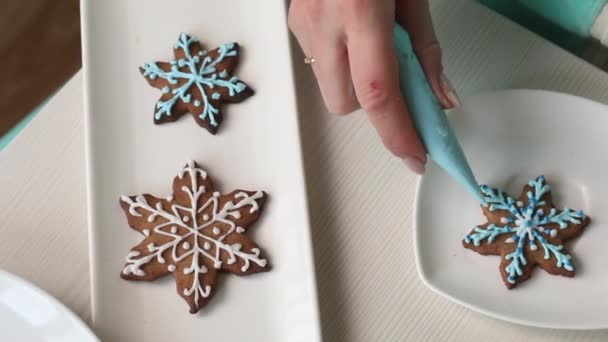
x=29 y=314
x=511 y=137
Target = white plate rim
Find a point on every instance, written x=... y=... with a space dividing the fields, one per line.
x=63 y=310
x=418 y=255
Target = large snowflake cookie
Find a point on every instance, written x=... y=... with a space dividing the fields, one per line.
x=197 y=82
x=193 y=233
x=526 y=232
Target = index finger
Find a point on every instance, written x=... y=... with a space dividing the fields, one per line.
x=375 y=75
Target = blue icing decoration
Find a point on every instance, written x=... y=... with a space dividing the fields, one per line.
x=527 y=230
x=562 y=259
x=518 y=260
x=240 y=87
x=496 y=199
x=563 y=218
x=490 y=233
x=216 y=96
x=200 y=72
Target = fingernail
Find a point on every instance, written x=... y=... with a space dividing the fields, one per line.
x=448 y=90
x=414 y=164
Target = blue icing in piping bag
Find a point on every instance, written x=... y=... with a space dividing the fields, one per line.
x=430 y=120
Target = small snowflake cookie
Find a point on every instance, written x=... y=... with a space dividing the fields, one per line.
x=193 y=233
x=526 y=232
x=197 y=82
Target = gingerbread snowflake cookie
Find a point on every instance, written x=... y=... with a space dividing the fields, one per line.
x=193 y=234
x=197 y=82
x=526 y=232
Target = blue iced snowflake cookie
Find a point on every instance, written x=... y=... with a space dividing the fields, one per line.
x=526 y=232
x=196 y=81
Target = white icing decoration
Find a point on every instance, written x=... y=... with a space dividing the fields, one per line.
x=169 y=198
x=193 y=171
x=146 y=232
x=541 y=229
x=533 y=247
x=202 y=269
x=240 y=230
x=509 y=240
x=553 y=233
x=216 y=230
x=520 y=204
x=134 y=267
x=504 y=220
x=205 y=217
x=130 y=202
x=138 y=205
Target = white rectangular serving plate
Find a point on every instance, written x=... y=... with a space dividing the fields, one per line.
x=256 y=148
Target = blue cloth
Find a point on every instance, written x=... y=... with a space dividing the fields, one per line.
x=566 y=23
x=11 y=134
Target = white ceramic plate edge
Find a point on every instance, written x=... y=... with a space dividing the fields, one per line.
x=63 y=310
x=424 y=278
x=307 y=242
x=88 y=150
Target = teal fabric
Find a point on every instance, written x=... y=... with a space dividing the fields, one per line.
x=430 y=120
x=565 y=22
x=576 y=16
x=10 y=135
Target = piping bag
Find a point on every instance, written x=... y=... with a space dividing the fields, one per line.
x=431 y=122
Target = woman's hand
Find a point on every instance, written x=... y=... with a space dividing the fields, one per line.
x=356 y=65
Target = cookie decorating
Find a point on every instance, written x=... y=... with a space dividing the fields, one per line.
x=193 y=233
x=526 y=232
x=197 y=82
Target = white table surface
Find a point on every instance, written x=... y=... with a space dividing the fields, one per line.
x=360 y=197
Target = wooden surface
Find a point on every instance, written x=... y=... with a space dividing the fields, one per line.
x=360 y=197
x=39 y=51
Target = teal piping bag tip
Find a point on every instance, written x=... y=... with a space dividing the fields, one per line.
x=430 y=120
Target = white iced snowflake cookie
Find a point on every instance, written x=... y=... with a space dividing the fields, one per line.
x=193 y=234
